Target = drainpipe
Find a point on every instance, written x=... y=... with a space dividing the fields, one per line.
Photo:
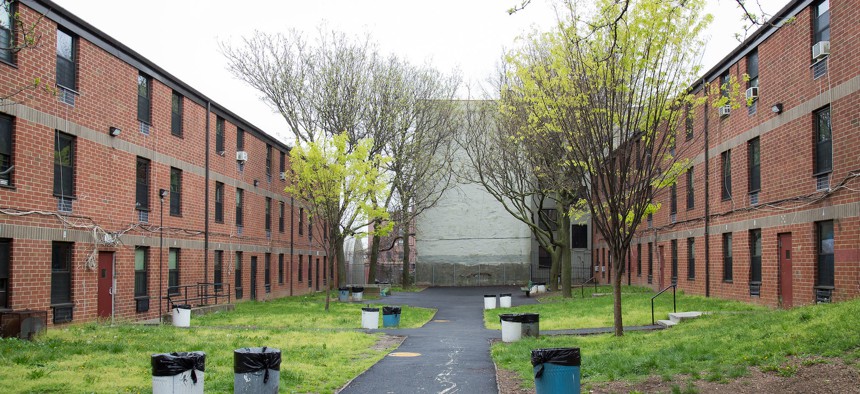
x=292 y=230
x=206 y=206
x=707 y=201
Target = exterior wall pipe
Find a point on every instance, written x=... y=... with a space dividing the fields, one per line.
x=707 y=201
x=206 y=204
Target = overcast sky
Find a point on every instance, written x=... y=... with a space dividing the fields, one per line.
x=182 y=36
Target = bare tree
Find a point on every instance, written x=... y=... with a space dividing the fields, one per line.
x=17 y=35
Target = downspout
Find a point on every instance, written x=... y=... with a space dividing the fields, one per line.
x=292 y=230
x=707 y=201
x=206 y=205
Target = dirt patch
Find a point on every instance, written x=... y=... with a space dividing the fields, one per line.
x=388 y=342
x=808 y=375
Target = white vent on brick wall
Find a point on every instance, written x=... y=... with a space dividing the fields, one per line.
x=724 y=110
x=820 y=50
x=752 y=93
x=283 y=176
x=241 y=156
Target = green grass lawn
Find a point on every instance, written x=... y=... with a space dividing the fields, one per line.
x=319 y=351
x=557 y=313
x=714 y=347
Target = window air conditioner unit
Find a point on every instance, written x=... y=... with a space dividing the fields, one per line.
x=820 y=50
x=283 y=176
x=241 y=156
x=23 y=324
x=724 y=110
x=752 y=93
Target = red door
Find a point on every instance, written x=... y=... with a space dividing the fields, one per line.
x=785 y=295
x=105 y=284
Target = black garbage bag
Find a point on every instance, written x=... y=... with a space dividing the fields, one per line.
x=370 y=309
x=567 y=356
x=255 y=359
x=181 y=306
x=358 y=289
x=391 y=310
x=530 y=318
x=505 y=295
x=172 y=364
x=343 y=289
x=511 y=317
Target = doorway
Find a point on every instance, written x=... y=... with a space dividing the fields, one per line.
x=786 y=299
x=105 y=284
x=253 y=277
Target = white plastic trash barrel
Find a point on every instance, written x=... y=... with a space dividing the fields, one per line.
x=511 y=327
x=504 y=300
x=541 y=288
x=178 y=373
x=489 y=301
x=370 y=318
x=357 y=293
x=182 y=315
x=534 y=289
x=256 y=370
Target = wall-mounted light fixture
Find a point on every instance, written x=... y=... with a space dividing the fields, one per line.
x=162 y=193
x=776 y=108
x=114 y=131
x=256 y=182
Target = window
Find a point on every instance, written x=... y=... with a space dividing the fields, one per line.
x=144 y=98
x=310 y=229
x=823 y=142
x=219 y=202
x=691 y=195
x=268 y=214
x=548 y=219
x=66 y=58
x=825 y=264
x=688 y=121
x=544 y=259
x=269 y=162
x=726 y=167
x=752 y=69
x=239 y=196
x=267 y=272
x=754 y=153
x=674 y=244
x=821 y=22
x=301 y=262
x=280 y=268
x=218 y=270
x=175 y=191
x=691 y=258
x=281 y=216
x=240 y=139
x=5 y=267
x=142 y=193
x=650 y=262
x=64 y=165
x=173 y=271
x=219 y=135
x=141 y=259
x=5 y=149
x=310 y=272
x=638 y=260
x=727 y=257
x=673 y=200
x=579 y=236
x=283 y=166
x=7 y=21
x=61 y=272
x=755 y=257
x=176 y=103
x=301 y=221
x=238 y=276
x=724 y=84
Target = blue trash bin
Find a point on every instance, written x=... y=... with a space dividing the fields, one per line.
x=390 y=316
x=343 y=294
x=556 y=370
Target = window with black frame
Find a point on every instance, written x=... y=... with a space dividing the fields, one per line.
x=61 y=272
x=176 y=114
x=175 y=191
x=5 y=268
x=754 y=155
x=64 y=165
x=823 y=142
x=755 y=262
x=240 y=195
x=173 y=257
x=674 y=244
x=691 y=258
x=219 y=202
x=218 y=270
x=66 y=60
x=141 y=262
x=728 y=265
x=7 y=27
x=144 y=98
x=6 y=141
x=726 y=170
x=826 y=272
x=141 y=202
x=219 y=135
x=237 y=276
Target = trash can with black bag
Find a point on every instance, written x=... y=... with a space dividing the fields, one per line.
x=357 y=293
x=512 y=326
x=390 y=316
x=178 y=372
x=556 y=370
x=531 y=325
x=343 y=294
x=256 y=370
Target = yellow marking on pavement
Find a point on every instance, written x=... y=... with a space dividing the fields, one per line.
x=404 y=354
x=441 y=321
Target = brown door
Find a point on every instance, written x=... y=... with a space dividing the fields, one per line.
x=105 y=284
x=785 y=295
x=660 y=261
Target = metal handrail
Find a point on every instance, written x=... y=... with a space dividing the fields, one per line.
x=581 y=286
x=674 y=301
x=203 y=294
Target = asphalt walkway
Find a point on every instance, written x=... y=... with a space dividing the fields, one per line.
x=451 y=354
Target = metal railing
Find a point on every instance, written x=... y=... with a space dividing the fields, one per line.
x=199 y=294
x=674 y=302
x=583 y=284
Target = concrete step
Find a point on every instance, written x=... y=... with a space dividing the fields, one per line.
x=680 y=316
x=666 y=323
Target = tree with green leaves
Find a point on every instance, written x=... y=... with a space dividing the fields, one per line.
x=610 y=84
x=337 y=181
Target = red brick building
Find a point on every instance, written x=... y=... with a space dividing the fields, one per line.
x=84 y=159
x=769 y=212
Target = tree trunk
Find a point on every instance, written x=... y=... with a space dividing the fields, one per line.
x=406 y=250
x=341 y=261
x=564 y=237
x=554 y=268
x=374 y=258
x=330 y=252
x=616 y=291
